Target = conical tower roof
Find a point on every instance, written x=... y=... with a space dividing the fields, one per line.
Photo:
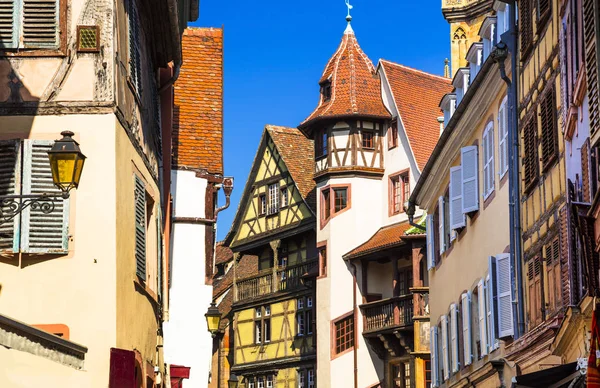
x=355 y=87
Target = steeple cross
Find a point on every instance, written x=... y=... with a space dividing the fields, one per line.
x=349 y=8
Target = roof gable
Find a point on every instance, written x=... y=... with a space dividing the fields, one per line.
x=416 y=95
x=284 y=157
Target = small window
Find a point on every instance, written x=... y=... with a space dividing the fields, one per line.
x=301 y=379
x=262 y=204
x=262 y=325
x=323 y=261
x=300 y=324
x=309 y=302
x=368 y=140
x=333 y=201
x=326 y=91
x=270 y=381
x=311 y=378
x=393 y=134
x=344 y=334
x=399 y=192
x=321 y=147
x=284 y=197
x=273 y=199
x=300 y=303
x=261 y=382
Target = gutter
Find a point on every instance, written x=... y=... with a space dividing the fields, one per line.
x=176 y=42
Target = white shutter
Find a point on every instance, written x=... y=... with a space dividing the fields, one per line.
x=443 y=234
x=470 y=181
x=491 y=304
x=139 y=193
x=504 y=287
x=42 y=233
x=483 y=344
x=40 y=23
x=457 y=218
x=488 y=160
x=445 y=349
x=9 y=23
x=466 y=323
x=430 y=242
x=10 y=184
x=433 y=345
x=454 y=337
x=503 y=137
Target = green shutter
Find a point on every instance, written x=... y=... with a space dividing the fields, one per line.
x=9 y=25
x=42 y=233
x=135 y=60
x=40 y=23
x=10 y=177
x=140 y=227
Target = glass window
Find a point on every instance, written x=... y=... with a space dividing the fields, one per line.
x=368 y=140
x=300 y=324
x=270 y=381
x=344 y=334
x=273 y=200
x=311 y=378
x=341 y=198
x=301 y=379
x=262 y=204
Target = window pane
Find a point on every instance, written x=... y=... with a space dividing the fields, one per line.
x=341 y=198
x=267 y=333
x=344 y=334
x=273 y=200
x=406 y=188
x=367 y=140
x=326 y=204
x=284 y=197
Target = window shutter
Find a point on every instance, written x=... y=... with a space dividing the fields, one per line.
x=504 y=287
x=530 y=159
x=526 y=30
x=591 y=13
x=135 y=60
x=549 y=130
x=42 y=233
x=585 y=170
x=445 y=350
x=433 y=345
x=140 y=227
x=454 y=337
x=470 y=181
x=466 y=323
x=481 y=310
x=488 y=160
x=491 y=304
x=443 y=231
x=503 y=137
x=10 y=174
x=457 y=218
x=430 y=242
x=9 y=23
x=40 y=23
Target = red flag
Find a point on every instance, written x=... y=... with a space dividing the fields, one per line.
x=593 y=372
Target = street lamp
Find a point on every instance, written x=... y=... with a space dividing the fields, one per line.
x=66 y=164
x=213 y=319
x=233 y=381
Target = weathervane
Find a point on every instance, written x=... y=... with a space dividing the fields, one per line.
x=348 y=18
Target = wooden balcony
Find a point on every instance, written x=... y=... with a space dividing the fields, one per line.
x=271 y=281
x=388 y=314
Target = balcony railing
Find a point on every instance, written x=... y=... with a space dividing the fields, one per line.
x=388 y=313
x=268 y=282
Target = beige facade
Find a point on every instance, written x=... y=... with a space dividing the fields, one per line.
x=89 y=289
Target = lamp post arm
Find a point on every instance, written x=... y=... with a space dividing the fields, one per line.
x=13 y=205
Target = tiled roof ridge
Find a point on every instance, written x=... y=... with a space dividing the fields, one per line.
x=422 y=72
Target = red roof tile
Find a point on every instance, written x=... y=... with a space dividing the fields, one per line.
x=355 y=87
x=298 y=154
x=198 y=113
x=223 y=254
x=387 y=236
x=417 y=96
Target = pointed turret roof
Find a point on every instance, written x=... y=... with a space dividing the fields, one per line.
x=355 y=86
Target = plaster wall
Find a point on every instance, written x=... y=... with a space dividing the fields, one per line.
x=466 y=261
x=77 y=289
x=187 y=340
x=343 y=233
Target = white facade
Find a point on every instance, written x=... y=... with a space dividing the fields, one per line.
x=187 y=340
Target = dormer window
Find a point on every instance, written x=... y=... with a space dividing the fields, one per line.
x=326 y=90
x=475 y=58
x=448 y=105
x=461 y=83
x=488 y=35
x=502 y=25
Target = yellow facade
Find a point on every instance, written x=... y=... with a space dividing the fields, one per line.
x=274 y=303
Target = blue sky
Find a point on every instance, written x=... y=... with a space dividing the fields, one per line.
x=275 y=52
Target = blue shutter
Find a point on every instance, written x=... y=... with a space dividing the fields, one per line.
x=433 y=345
x=443 y=230
x=504 y=296
x=466 y=323
x=454 y=337
x=482 y=312
x=470 y=179
x=445 y=347
x=40 y=23
x=10 y=184
x=491 y=304
x=457 y=218
x=430 y=233
x=140 y=227
x=42 y=233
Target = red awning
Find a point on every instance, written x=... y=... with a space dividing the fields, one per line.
x=178 y=373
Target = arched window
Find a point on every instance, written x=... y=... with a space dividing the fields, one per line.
x=459 y=40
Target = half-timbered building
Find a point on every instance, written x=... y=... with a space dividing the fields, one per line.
x=373 y=131
x=274 y=305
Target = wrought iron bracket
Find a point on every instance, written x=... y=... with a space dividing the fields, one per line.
x=12 y=205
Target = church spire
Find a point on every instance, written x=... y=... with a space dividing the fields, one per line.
x=349 y=29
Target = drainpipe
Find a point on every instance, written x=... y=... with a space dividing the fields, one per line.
x=354 y=312
x=410 y=212
x=507 y=44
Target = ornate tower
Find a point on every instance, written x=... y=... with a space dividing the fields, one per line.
x=465 y=18
x=348 y=127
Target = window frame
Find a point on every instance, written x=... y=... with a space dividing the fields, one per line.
x=60 y=50
x=262 y=204
x=321 y=144
x=370 y=138
x=273 y=191
x=350 y=316
x=322 y=247
x=401 y=177
x=305 y=312
x=393 y=134
x=262 y=319
x=284 y=193
x=327 y=200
